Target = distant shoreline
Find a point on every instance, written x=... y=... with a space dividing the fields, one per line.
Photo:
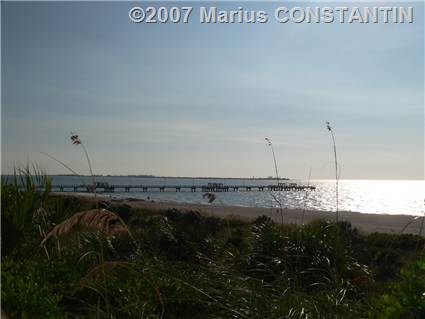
x=270 y=178
x=179 y=177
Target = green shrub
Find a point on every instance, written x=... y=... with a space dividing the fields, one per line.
x=21 y=199
x=405 y=298
x=316 y=255
x=388 y=253
x=187 y=265
x=27 y=289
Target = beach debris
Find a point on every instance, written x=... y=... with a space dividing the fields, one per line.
x=210 y=196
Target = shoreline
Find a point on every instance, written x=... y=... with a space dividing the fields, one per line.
x=365 y=222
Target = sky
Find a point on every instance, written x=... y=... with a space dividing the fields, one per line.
x=199 y=99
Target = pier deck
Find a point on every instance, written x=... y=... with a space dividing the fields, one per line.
x=107 y=188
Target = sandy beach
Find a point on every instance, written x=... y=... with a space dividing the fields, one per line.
x=364 y=222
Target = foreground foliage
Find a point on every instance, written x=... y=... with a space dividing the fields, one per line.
x=185 y=265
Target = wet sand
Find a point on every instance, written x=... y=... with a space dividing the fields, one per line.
x=365 y=222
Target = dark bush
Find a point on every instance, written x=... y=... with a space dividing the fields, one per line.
x=124 y=211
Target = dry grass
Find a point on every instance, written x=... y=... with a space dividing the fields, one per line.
x=94 y=219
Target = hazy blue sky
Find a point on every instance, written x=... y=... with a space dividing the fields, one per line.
x=198 y=100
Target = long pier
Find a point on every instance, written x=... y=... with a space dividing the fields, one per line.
x=107 y=188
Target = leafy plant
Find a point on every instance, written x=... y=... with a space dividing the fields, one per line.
x=23 y=199
x=27 y=290
x=405 y=298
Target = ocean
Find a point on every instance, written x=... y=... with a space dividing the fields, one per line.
x=364 y=196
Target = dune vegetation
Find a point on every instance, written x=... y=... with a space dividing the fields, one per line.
x=62 y=257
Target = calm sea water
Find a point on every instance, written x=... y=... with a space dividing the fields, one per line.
x=364 y=196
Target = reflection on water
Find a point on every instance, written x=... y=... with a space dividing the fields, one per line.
x=365 y=196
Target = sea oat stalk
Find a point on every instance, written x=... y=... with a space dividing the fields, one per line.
x=305 y=197
x=280 y=210
x=269 y=142
x=422 y=223
x=329 y=127
x=210 y=196
x=75 y=139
